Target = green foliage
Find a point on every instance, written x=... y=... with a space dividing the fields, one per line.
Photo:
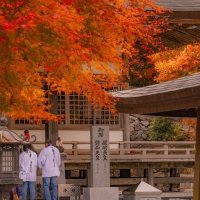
x=164 y=129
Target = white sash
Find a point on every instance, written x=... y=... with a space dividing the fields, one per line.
x=22 y=174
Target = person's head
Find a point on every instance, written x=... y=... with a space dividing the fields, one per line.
x=48 y=142
x=26 y=147
x=59 y=139
x=26 y=131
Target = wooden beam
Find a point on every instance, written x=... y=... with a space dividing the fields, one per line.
x=178 y=113
x=161 y=105
x=173 y=180
x=176 y=195
x=134 y=180
x=184 y=15
x=124 y=181
x=184 y=21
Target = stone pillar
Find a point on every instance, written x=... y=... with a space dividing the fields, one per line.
x=100 y=193
x=196 y=193
x=100 y=160
x=100 y=167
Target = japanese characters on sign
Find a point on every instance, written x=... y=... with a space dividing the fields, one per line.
x=100 y=155
x=101 y=146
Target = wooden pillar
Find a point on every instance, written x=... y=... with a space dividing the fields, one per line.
x=53 y=126
x=89 y=179
x=126 y=125
x=196 y=193
x=126 y=131
x=150 y=176
x=45 y=87
x=46 y=130
x=174 y=173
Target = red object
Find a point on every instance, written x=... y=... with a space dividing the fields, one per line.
x=27 y=136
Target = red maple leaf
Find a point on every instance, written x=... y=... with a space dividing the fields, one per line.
x=68 y=2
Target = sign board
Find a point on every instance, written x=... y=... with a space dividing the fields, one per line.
x=100 y=156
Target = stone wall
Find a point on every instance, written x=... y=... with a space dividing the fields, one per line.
x=139 y=127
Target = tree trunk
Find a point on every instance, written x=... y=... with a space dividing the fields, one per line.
x=53 y=126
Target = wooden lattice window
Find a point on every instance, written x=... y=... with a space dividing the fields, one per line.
x=75 y=109
x=61 y=113
x=80 y=112
x=8 y=158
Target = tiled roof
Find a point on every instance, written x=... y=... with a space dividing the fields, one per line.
x=180 y=5
x=191 y=81
x=182 y=93
x=184 y=21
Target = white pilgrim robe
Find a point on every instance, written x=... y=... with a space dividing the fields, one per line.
x=49 y=161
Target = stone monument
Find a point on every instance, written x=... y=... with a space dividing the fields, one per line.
x=100 y=167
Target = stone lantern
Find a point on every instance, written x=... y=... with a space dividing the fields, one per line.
x=10 y=144
x=142 y=191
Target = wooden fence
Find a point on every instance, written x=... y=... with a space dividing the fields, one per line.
x=137 y=150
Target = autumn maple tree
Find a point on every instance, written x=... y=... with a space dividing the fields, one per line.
x=178 y=62
x=71 y=46
x=175 y=63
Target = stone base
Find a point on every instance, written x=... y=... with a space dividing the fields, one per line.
x=140 y=197
x=100 y=193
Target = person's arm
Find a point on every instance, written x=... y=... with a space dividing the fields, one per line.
x=35 y=160
x=21 y=162
x=42 y=159
x=58 y=158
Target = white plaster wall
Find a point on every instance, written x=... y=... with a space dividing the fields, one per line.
x=75 y=135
